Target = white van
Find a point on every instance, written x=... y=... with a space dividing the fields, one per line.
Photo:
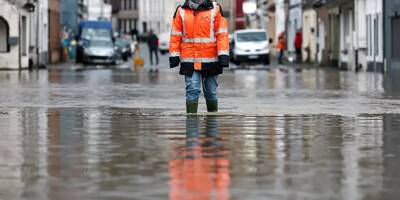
x=164 y=42
x=250 y=45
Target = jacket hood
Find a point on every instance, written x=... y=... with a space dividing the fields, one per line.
x=208 y=5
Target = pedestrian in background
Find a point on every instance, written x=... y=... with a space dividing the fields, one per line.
x=152 y=41
x=298 y=42
x=200 y=44
x=281 y=46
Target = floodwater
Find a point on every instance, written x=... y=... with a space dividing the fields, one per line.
x=119 y=134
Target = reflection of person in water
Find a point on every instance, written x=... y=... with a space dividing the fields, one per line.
x=200 y=170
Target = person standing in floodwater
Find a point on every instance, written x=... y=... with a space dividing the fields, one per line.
x=199 y=42
x=298 y=42
x=281 y=46
x=153 y=46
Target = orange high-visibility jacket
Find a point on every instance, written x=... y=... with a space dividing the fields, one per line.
x=199 y=39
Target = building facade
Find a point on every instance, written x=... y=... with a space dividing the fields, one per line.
x=14 y=35
x=391 y=35
x=54 y=31
x=98 y=10
x=323 y=36
x=152 y=16
x=294 y=24
x=71 y=13
x=39 y=35
x=125 y=15
x=310 y=37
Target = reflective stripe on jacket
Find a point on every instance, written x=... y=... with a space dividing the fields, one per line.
x=199 y=38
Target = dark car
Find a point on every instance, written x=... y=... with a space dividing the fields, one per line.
x=123 y=48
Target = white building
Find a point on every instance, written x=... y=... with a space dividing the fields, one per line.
x=98 y=10
x=347 y=36
x=152 y=16
x=295 y=23
x=369 y=33
x=39 y=34
x=14 y=35
x=280 y=18
x=310 y=38
x=169 y=11
x=374 y=33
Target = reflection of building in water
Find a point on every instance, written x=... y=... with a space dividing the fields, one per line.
x=391 y=153
x=391 y=83
x=200 y=169
x=11 y=155
x=65 y=143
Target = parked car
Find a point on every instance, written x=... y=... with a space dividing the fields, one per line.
x=99 y=52
x=250 y=45
x=91 y=30
x=123 y=48
x=164 y=43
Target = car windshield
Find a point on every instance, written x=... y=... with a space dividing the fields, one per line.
x=100 y=43
x=251 y=37
x=91 y=33
x=122 y=42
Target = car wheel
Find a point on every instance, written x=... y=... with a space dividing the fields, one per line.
x=267 y=60
x=79 y=54
x=235 y=60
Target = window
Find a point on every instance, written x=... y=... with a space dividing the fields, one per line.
x=369 y=35
x=135 y=4
x=135 y=23
x=132 y=24
x=24 y=43
x=4 y=34
x=395 y=37
x=144 y=25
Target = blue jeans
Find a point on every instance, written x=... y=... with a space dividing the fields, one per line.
x=193 y=87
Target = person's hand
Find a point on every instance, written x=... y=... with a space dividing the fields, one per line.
x=174 y=61
x=223 y=61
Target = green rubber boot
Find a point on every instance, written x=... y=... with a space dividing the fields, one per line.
x=212 y=106
x=191 y=106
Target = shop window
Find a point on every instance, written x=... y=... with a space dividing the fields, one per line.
x=395 y=37
x=4 y=36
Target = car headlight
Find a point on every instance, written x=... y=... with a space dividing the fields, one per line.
x=88 y=51
x=239 y=49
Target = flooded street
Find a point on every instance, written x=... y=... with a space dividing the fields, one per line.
x=77 y=133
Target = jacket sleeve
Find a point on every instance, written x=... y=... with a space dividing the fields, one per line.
x=222 y=34
x=175 y=39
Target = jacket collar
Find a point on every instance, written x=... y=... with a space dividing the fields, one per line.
x=205 y=6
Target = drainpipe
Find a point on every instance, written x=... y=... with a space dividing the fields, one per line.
x=19 y=45
x=37 y=34
x=384 y=36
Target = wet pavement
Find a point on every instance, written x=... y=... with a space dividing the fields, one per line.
x=120 y=133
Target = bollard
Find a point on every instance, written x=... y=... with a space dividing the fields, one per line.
x=138 y=61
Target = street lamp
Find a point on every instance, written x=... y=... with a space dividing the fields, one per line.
x=29 y=6
x=249 y=7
